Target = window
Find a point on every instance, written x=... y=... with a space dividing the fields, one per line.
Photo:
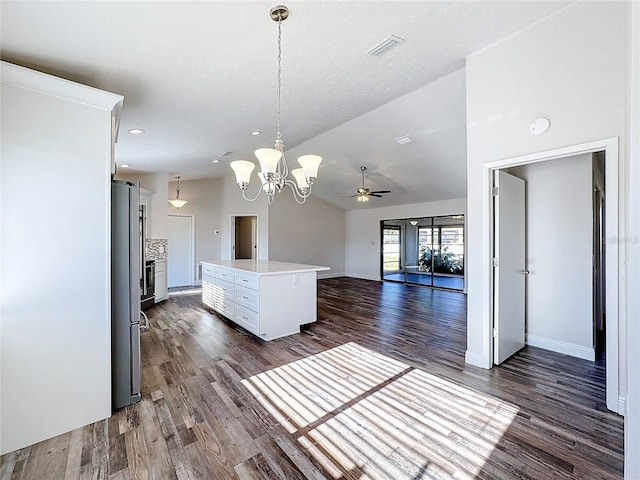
x=425 y=251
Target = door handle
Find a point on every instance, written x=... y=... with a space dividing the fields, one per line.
x=524 y=272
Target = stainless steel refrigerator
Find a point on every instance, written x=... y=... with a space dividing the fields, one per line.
x=125 y=293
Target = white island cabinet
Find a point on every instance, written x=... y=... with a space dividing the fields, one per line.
x=269 y=299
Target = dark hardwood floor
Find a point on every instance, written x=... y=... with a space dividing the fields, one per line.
x=377 y=388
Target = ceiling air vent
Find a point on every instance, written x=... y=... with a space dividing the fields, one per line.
x=404 y=140
x=385 y=45
x=225 y=154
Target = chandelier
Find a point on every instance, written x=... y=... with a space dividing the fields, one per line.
x=274 y=174
x=178 y=202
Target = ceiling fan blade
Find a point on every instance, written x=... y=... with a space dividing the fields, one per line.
x=343 y=193
x=373 y=194
x=356 y=195
x=382 y=191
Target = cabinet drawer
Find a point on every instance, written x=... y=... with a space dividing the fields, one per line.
x=208 y=279
x=224 y=274
x=248 y=281
x=248 y=319
x=247 y=298
x=208 y=269
x=226 y=308
x=228 y=289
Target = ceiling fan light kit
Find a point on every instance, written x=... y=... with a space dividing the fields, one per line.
x=274 y=172
x=363 y=193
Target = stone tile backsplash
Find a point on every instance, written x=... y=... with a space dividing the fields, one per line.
x=157 y=249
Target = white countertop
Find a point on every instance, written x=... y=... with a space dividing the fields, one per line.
x=267 y=267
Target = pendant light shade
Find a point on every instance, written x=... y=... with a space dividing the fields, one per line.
x=310 y=164
x=298 y=174
x=178 y=202
x=242 y=169
x=268 y=158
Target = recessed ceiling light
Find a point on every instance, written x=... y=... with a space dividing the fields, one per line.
x=256 y=132
x=405 y=139
x=217 y=160
x=136 y=131
x=125 y=165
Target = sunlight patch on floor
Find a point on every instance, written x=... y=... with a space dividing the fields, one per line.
x=359 y=412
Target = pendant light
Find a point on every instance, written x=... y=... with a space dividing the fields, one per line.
x=274 y=174
x=178 y=202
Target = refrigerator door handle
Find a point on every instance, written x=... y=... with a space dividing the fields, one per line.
x=135 y=361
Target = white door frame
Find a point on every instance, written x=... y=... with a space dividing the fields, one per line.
x=192 y=270
x=232 y=232
x=615 y=288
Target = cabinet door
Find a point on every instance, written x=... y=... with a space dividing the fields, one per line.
x=161 y=281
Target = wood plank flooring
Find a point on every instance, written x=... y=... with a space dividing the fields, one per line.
x=377 y=388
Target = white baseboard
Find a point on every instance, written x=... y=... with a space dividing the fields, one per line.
x=586 y=353
x=330 y=275
x=622 y=406
x=363 y=277
x=473 y=358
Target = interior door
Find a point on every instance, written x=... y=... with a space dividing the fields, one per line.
x=180 y=251
x=509 y=266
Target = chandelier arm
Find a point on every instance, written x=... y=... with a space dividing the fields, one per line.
x=244 y=195
x=297 y=194
x=285 y=167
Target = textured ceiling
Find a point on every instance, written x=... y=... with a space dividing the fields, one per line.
x=200 y=76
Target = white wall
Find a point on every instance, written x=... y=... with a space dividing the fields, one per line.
x=313 y=233
x=54 y=256
x=158 y=184
x=362 y=251
x=569 y=68
x=205 y=204
x=558 y=254
x=234 y=204
x=632 y=419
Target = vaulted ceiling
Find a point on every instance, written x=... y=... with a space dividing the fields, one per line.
x=199 y=77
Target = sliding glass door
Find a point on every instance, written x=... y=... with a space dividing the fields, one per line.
x=391 y=254
x=424 y=251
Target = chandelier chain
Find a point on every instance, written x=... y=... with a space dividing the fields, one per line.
x=279 y=93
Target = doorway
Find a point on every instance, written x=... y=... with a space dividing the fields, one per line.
x=599 y=265
x=180 y=236
x=610 y=281
x=244 y=237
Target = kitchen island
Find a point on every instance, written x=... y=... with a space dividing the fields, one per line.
x=269 y=299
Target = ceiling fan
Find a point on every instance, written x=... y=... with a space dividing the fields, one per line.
x=364 y=193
